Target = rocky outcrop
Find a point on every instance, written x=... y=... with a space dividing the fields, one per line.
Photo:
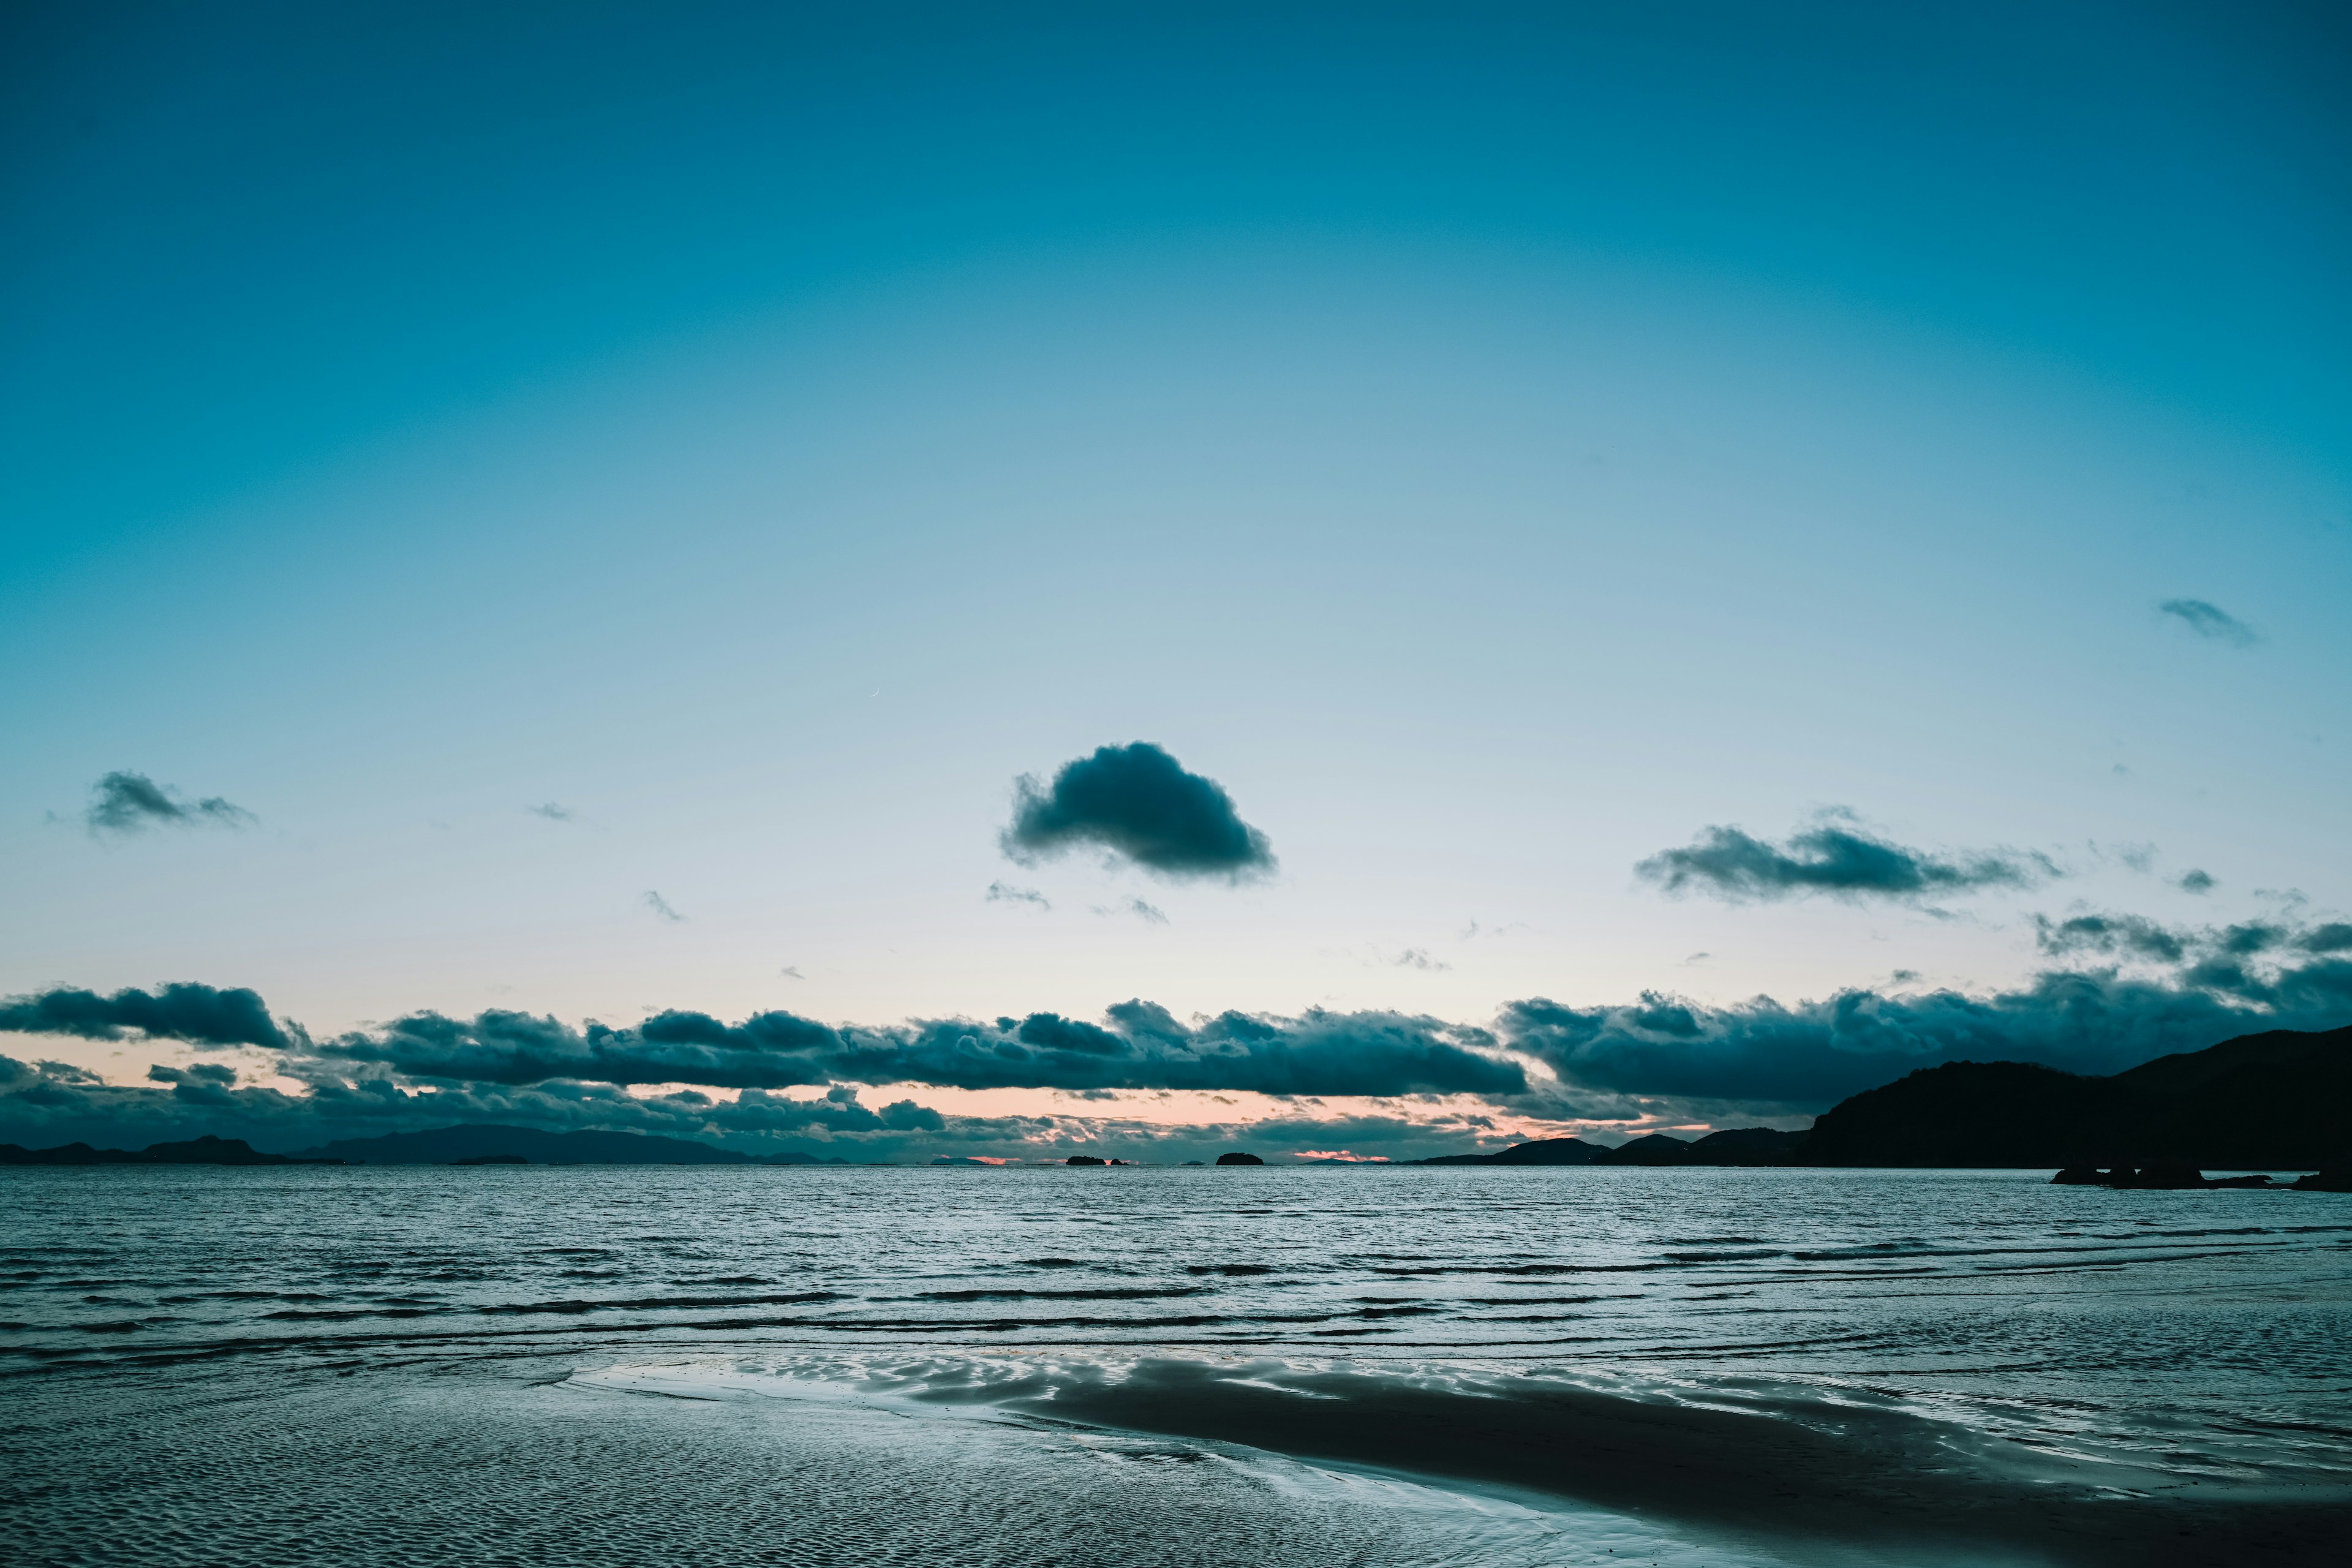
x=1238 y=1158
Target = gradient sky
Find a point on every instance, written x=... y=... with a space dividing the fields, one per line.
x=1497 y=444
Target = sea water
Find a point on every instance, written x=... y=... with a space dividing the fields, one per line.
x=1123 y=1365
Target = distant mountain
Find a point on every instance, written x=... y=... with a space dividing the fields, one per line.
x=1737 y=1146
x=2278 y=1100
x=448 y=1145
x=1543 y=1152
x=204 y=1151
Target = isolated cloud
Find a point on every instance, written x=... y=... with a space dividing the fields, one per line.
x=553 y=812
x=660 y=905
x=2211 y=621
x=1149 y=913
x=128 y=802
x=199 y=1014
x=2196 y=882
x=1833 y=857
x=1139 y=802
x=1005 y=893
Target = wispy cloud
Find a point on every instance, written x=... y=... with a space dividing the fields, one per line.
x=2211 y=621
x=1418 y=958
x=661 y=907
x=553 y=812
x=129 y=802
x=1005 y=893
x=1149 y=914
x=1138 y=802
x=1837 y=857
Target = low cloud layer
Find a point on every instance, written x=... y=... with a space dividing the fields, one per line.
x=1836 y=857
x=2126 y=989
x=1138 y=1046
x=1139 y=804
x=131 y=803
x=2210 y=622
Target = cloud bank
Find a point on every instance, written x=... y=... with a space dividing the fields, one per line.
x=1138 y=1046
x=131 y=803
x=2149 y=989
x=1833 y=857
x=1136 y=802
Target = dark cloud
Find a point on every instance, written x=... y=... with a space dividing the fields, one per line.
x=2211 y=621
x=2196 y=882
x=1806 y=1056
x=1834 y=858
x=127 y=803
x=1139 y=802
x=660 y=905
x=1139 y=1046
x=2133 y=935
x=200 y=1015
x=1660 y=1060
x=1005 y=893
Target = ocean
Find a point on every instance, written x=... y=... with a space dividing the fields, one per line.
x=1137 y=1365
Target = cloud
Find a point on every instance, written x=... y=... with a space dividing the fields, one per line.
x=1805 y=1057
x=2196 y=882
x=199 y=1014
x=1832 y=858
x=660 y=905
x=2210 y=622
x=792 y=972
x=128 y=802
x=1659 y=1060
x=1005 y=893
x=1149 y=914
x=1139 y=1046
x=1418 y=958
x=553 y=812
x=1139 y=802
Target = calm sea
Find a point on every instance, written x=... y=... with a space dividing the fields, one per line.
x=1306 y=1365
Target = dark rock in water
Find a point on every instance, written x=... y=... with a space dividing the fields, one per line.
x=957 y=1160
x=492 y=1160
x=1191 y=1162
x=2338 y=1179
x=2166 y=1173
x=2164 y=1176
x=1238 y=1158
x=1084 y=1159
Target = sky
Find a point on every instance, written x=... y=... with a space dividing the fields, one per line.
x=1501 y=569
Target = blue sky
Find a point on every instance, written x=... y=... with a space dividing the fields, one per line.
x=1496 y=444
